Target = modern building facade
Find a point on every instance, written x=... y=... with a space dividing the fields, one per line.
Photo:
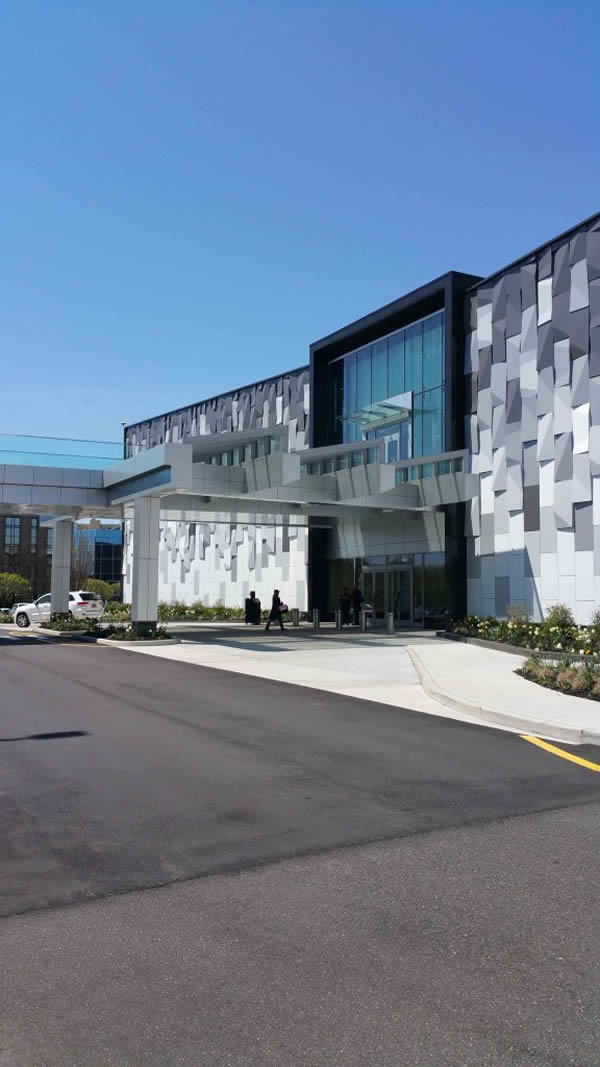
x=532 y=386
x=443 y=452
x=505 y=368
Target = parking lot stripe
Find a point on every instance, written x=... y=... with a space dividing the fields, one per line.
x=561 y=752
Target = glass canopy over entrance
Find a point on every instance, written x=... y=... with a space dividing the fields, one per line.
x=382 y=413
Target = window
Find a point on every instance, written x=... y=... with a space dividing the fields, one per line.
x=363 y=378
x=433 y=350
x=413 y=358
x=50 y=542
x=380 y=371
x=432 y=422
x=35 y=523
x=409 y=360
x=44 y=599
x=12 y=536
x=396 y=364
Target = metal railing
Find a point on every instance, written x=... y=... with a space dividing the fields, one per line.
x=413 y=470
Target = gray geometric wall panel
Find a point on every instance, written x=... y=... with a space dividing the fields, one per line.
x=545 y=441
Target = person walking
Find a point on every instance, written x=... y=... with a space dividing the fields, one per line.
x=345 y=601
x=253 y=609
x=276 y=611
x=357 y=602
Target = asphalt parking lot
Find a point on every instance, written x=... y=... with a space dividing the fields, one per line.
x=207 y=867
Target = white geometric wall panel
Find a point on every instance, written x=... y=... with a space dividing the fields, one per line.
x=219 y=563
x=533 y=363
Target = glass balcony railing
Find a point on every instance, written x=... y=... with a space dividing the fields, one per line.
x=410 y=470
x=30 y=451
x=415 y=470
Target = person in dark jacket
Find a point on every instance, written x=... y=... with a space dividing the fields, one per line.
x=357 y=602
x=345 y=602
x=253 y=609
x=276 y=611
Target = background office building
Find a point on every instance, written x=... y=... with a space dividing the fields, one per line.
x=26 y=545
x=493 y=381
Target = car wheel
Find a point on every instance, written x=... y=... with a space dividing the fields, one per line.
x=22 y=620
x=71 y=617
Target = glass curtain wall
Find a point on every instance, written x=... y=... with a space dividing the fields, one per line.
x=408 y=360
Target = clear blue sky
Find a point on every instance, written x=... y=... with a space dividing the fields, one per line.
x=192 y=192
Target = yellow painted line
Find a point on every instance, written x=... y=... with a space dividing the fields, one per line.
x=561 y=752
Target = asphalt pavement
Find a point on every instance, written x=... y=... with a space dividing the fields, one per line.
x=342 y=882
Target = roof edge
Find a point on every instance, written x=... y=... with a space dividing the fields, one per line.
x=218 y=396
x=534 y=251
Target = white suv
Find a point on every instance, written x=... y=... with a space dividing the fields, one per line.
x=82 y=605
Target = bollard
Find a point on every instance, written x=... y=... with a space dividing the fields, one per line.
x=363 y=622
x=390 y=622
x=316 y=619
x=295 y=617
x=338 y=618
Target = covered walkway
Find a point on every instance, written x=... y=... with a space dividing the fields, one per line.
x=187 y=481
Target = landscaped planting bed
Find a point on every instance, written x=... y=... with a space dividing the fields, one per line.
x=177 y=611
x=557 y=633
x=575 y=679
x=556 y=643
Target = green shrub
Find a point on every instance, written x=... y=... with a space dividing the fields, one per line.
x=557 y=633
x=71 y=625
x=560 y=615
x=127 y=633
x=117 y=611
x=14 y=587
x=581 y=679
x=107 y=590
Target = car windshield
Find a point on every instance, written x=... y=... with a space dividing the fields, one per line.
x=89 y=596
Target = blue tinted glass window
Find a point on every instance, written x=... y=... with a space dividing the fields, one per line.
x=380 y=371
x=404 y=452
x=350 y=383
x=363 y=378
x=396 y=364
x=431 y=403
x=413 y=357
x=417 y=426
x=349 y=400
x=433 y=333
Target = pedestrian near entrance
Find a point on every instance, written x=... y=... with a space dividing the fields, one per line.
x=277 y=609
x=253 y=609
x=345 y=602
x=357 y=602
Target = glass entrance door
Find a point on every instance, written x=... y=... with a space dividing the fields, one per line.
x=389 y=591
x=400 y=595
x=375 y=594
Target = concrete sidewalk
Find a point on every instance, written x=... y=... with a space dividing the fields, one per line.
x=408 y=671
x=371 y=669
x=481 y=683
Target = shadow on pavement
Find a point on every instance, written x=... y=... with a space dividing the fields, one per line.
x=57 y=734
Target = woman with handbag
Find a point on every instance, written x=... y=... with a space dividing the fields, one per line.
x=277 y=609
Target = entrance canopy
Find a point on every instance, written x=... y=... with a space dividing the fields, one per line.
x=246 y=477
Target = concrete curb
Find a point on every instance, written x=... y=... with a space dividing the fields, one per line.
x=135 y=644
x=498 y=716
x=52 y=635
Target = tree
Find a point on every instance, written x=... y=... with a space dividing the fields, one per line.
x=82 y=560
x=13 y=587
x=107 y=590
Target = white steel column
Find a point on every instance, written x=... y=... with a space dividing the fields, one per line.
x=144 y=576
x=60 y=575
